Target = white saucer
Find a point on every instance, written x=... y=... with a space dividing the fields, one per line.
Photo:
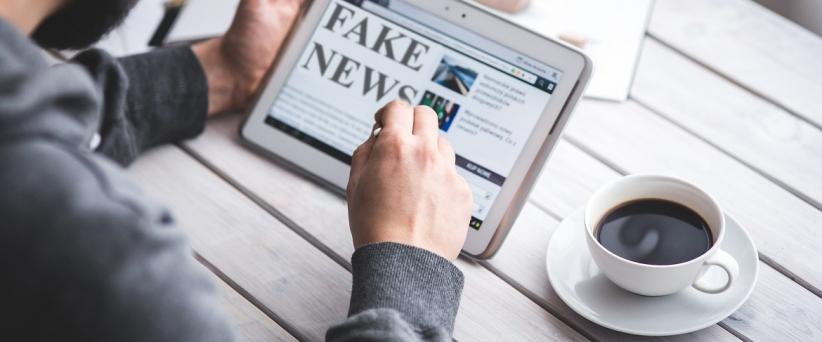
x=578 y=282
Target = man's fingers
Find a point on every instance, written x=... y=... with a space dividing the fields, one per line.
x=425 y=122
x=446 y=149
x=359 y=158
x=396 y=116
x=361 y=154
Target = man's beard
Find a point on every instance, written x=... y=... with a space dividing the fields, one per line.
x=81 y=23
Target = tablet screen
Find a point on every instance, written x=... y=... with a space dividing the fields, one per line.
x=364 y=54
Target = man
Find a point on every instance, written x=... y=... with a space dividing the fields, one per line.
x=87 y=257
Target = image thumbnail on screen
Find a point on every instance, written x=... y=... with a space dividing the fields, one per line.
x=445 y=109
x=453 y=76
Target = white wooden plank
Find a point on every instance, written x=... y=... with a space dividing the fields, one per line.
x=757 y=132
x=778 y=307
x=749 y=44
x=785 y=228
x=294 y=280
x=779 y=310
x=490 y=309
x=250 y=324
x=569 y=177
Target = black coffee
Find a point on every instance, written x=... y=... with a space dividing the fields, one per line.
x=655 y=232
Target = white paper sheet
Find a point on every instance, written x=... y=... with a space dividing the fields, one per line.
x=614 y=30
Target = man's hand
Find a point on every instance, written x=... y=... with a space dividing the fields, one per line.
x=236 y=62
x=404 y=186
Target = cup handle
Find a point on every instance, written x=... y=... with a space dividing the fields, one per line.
x=728 y=263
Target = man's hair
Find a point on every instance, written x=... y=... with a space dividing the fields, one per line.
x=80 y=23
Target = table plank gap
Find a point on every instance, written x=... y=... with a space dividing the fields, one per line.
x=285 y=220
x=250 y=322
x=718 y=72
x=545 y=209
x=767 y=139
x=785 y=271
x=734 y=332
x=596 y=155
x=250 y=298
x=738 y=39
x=796 y=192
x=574 y=323
x=271 y=263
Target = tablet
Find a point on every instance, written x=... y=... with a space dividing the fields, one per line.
x=502 y=95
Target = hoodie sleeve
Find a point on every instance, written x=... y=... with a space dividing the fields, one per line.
x=148 y=99
x=400 y=293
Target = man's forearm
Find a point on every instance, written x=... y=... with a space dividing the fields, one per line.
x=225 y=90
x=236 y=63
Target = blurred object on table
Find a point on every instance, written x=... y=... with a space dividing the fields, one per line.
x=609 y=31
x=202 y=19
x=807 y=13
x=172 y=11
x=510 y=6
x=133 y=35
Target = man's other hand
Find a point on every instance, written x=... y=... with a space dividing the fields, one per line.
x=404 y=186
x=236 y=62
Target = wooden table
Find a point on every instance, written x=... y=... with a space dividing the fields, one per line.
x=728 y=95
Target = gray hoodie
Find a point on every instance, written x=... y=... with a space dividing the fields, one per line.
x=86 y=256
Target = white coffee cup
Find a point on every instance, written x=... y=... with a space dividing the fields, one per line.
x=659 y=280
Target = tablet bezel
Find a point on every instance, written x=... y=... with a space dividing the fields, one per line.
x=482 y=243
